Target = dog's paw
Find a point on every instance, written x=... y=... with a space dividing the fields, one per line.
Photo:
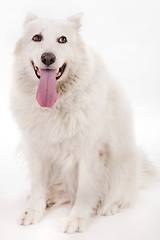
x=115 y=208
x=30 y=216
x=112 y=210
x=73 y=224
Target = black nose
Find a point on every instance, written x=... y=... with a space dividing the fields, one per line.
x=48 y=58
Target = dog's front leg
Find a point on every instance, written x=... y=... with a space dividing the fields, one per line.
x=86 y=196
x=37 y=201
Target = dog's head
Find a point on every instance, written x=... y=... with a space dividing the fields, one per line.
x=47 y=53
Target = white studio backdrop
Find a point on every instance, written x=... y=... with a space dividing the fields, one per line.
x=127 y=35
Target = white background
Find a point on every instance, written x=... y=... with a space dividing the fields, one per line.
x=127 y=35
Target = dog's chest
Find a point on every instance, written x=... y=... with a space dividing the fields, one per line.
x=55 y=126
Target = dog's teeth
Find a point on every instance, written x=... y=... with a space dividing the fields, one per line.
x=58 y=74
x=38 y=71
x=57 y=70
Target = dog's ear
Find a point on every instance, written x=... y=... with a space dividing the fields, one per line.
x=30 y=17
x=76 y=19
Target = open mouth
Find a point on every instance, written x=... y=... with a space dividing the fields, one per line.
x=59 y=72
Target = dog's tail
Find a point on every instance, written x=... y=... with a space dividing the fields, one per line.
x=149 y=172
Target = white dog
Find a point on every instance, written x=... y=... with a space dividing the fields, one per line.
x=76 y=125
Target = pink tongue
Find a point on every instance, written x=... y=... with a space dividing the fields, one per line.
x=46 y=93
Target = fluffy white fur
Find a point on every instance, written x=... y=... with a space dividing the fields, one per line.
x=82 y=150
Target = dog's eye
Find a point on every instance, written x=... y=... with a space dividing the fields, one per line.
x=62 y=39
x=37 y=38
